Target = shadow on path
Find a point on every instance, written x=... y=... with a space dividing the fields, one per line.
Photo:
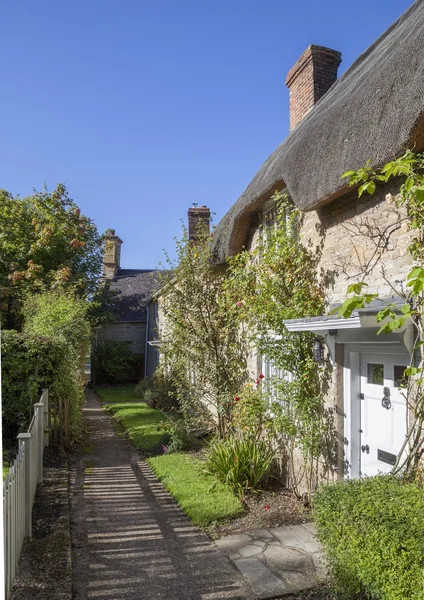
x=129 y=538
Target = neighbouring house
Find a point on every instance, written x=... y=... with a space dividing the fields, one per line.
x=132 y=291
x=156 y=319
x=373 y=112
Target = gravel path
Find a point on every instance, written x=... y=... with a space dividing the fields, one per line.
x=129 y=538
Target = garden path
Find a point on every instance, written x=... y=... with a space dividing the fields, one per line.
x=130 y=540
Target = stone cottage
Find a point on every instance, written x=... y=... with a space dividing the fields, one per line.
x=156 y=321
x=132 y=290
x=373 y=112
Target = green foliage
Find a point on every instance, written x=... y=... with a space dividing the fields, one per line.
x=114 y=361
x=240 y=463
x=276 y=281
x=61 y=315
x=45 y=242
x=180 y=437
x=409 y=168
x=159 y=391
x=29 y=364
x=143 y=424
x=203 y=342
x=203 y=499
x=372 y=533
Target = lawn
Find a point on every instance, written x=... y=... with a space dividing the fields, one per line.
x=204 y=499
x=142 y=423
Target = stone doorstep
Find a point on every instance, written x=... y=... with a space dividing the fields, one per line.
x=277 y=561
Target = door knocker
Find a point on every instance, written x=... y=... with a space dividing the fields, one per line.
x=386 y=402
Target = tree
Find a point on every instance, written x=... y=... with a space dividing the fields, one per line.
x=45 y=243
x=204 y=340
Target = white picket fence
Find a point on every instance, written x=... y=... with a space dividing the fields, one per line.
x=20 y=485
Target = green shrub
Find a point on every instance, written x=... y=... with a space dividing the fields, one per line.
x=158 y=391
x=372 y=532
x=29 y=363
x=239 y=463
x=114 y=362
x=61 y=315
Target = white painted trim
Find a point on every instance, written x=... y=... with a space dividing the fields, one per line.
x=324 y=324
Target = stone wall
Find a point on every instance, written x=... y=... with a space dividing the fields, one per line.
x=124 y=332
x=348 y=232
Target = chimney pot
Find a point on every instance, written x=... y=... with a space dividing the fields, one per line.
x=112 y=255
x=309 y=79
x=196 y=215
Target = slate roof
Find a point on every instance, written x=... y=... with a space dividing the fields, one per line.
x=374 y=111
x=133 y=289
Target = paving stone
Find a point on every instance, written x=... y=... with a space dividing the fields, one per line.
x=261 y=579
x=282 y=559
x=310 y=527
x=251 y=550
x=261 y=543
x=319 y=566
x=233 y=543
x=297 y=536
x=300 y=581
x=261 y=534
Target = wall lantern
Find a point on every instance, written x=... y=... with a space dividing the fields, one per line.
x=318 y=351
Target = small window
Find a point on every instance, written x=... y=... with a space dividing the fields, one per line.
x=399 y=376
x=376 y=374
x=272 y=375
x=270 y=217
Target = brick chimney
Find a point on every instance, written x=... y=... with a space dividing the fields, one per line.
x=196 y=215
x=112 y=256
x=309 y=79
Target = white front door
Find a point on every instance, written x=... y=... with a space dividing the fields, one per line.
x=383 y=411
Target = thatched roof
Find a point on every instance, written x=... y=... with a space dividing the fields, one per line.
x=133 y=289
x=374 y=111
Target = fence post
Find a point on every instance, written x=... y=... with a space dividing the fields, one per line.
x=39 y=408
x=60 y=424
x=25 y=440
x=46 y=417
x=67 y=416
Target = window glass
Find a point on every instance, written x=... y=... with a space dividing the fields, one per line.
x=399 y=377
x=376 y=374
x=274 y=382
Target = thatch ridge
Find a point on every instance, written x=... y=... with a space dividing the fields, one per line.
x=374 y=111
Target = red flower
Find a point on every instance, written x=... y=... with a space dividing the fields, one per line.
x=267 y=507
x=258 y=381
x=261 y=376
x=237 y=398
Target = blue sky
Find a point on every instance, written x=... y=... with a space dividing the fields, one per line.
x=142 y=107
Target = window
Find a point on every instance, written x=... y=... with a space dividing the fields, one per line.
x=399 y=377
x=273 y=375
x=375 y=374
x=271 y=219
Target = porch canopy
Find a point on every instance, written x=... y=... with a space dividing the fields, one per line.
x=360 y=328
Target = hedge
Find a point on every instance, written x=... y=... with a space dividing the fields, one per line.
x=29 y=363
x=372 y=532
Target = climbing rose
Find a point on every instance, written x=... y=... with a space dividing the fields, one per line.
x=261 y=376
x=237 y=398
x=258 y=381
